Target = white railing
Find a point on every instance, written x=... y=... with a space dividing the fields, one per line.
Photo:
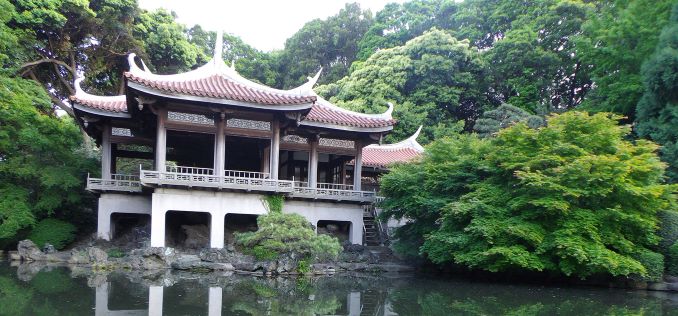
x=246 y=174
x=190 y=170
x=117 y=182
x=252 y=181
x=205 y=177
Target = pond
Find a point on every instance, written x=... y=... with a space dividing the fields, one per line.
x=32 y=289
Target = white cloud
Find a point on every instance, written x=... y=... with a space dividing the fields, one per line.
x=263 y=24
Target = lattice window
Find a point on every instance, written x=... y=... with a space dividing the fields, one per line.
x=331 y=142
x=294 y=139
x=138 y=148
x=190 y=118
x=119 y=131
x=249 y=124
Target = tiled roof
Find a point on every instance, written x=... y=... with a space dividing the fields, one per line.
x=376 y=157
x=216 y=80
x=381 y=156
x=218 y=86
x=325 y=112
x=113 y=104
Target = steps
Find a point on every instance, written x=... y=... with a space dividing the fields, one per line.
x=371 y=230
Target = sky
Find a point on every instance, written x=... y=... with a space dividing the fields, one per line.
x=263 y=24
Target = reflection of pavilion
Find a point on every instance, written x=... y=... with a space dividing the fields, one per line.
x=354 y=303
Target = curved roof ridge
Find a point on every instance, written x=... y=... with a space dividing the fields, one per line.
x=410 y=142
x=387 y=115
x=81 y=94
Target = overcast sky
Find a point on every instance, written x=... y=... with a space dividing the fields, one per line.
x=263 y=24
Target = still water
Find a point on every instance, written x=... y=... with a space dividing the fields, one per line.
x=48 y=290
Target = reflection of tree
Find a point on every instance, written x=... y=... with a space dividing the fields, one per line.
x=52 y=282
x=257 y=297
x=486 y=299
x=13 y=298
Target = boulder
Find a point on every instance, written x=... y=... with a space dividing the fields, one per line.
x=96 y=255
x=28 y=251
x=78 y=257
x=355 y=248
x=214 y=255
x=48 y=248
x=196 y=235
x=332 y=228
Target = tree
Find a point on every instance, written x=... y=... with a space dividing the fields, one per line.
x=504 y=116
x=432 y=79
x=42 y=161
x=330 y=44
x=574 y=197
x=615 y=42
x=657 y=111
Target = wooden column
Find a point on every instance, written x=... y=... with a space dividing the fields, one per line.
x=313 y=163
x=161 y=141
x=275 y=149
x=358 y=167
x=106 y=152
x=220 y=148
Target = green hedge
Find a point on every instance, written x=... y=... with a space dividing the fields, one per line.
x=668 y=230
x=653 y=263
x=53 y=231
x=672 y=260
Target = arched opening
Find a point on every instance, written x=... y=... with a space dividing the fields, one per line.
x=130 y=229
x=339 y=229
x=238 y=223
x=187 y=230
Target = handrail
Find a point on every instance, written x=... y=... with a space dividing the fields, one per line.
x=117 y=182
x=189 y=170
x=247 y=174
x=335 y=186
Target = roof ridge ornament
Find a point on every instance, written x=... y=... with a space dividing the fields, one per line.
x=307 y=87
x=133 y=68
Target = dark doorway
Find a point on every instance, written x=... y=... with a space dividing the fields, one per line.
x=245 y=154
x=190 y=149
x=238 y=223
x=339 y=229
x=293 y=165
x=130 y=229
x=187 y=230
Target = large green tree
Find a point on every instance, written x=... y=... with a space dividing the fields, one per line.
x=657 y=110
x=331 y=44
x=432 y=79
x=615 y=42
x=574 y=197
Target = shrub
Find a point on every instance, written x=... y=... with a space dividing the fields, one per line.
x=668 y=230
x=274 y=203
x=115 y=253
x=280 y=234
x=672 y=260
x=304 y=266
x=653 y=263
x=53 y=231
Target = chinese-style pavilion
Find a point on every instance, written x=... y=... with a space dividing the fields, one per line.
x=206 y=146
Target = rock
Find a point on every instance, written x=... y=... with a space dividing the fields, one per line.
x=671 y=279
x=192 y=262
x=230 y=248
x=28 y=251
x=196 y=235
x=355 y=248
x=78 y=257
x=14 y=255
x=672 y=286
x=332 y=228
x=48 y=248
x=97 y=255
x=214 y=255
x=286 y=264
x=658 y=286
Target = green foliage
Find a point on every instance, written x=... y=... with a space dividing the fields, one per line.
x=115 y=253
x=274 y=203
x=280 y=234
x=616 y=40
x=431 y=78
x=304 y=266
x=668 y=230
x=43 y=161
x=504 y=116
x=53 y=231
x=672 y=260
x=331 y=44
x=13 y=298
x=657 y=112
x=574 y=197
x=653 y=263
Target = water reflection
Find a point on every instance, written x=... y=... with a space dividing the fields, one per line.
x=32 y=289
